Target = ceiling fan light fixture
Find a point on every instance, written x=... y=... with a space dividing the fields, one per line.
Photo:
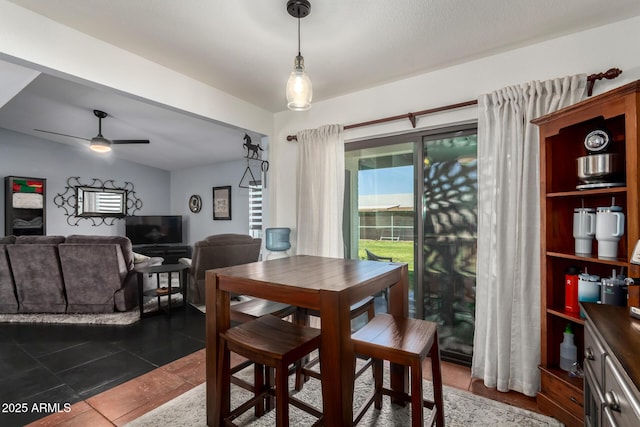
x=99 y=144
x=299 y=91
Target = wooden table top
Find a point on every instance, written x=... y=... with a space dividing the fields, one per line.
x=314 y=273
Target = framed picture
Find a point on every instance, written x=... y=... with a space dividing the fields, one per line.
x=222 y=202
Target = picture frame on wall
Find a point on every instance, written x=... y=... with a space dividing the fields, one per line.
x=222 y=203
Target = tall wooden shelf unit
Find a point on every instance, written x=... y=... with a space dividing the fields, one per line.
x=24 y=214
x=562 y=136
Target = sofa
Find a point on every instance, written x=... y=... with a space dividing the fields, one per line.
x=76 y=274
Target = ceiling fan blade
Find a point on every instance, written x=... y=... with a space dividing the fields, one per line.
x=130 y=141
x=62 y=134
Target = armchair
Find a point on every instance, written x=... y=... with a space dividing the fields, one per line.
x=221 y=250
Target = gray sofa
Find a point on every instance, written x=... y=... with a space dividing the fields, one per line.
x=76 y=274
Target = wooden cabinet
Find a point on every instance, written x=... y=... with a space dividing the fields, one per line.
x=611 y=365
x=562 y=135
x=25 y=206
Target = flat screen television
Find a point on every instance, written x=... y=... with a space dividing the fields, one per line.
x=154 y=229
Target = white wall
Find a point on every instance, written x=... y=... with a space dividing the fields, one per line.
x=201 y=181
x=161 y=192
x=592 y=51
x=44 y=45
x=24 y=155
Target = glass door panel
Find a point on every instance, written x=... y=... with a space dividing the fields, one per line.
x=381 y=201
x=449 y=243
x=413 y=198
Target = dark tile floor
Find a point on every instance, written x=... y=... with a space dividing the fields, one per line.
x=49 y=364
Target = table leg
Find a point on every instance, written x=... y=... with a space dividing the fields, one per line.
x=158 y=293
x=141 y=293
x=337 y=360
x=218 y=383
x=399 y=306
x=170 y=288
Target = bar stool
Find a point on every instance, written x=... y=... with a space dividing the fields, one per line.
x=407 y=342
x=272 y=343
x=246 y=311
x=305 y=367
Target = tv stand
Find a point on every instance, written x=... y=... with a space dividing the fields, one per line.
x=171 y=252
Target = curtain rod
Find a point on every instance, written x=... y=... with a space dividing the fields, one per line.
x=611 y=73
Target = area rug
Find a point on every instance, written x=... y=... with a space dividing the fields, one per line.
x=461 y=409
x=118 y=318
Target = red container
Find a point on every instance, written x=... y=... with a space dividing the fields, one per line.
x=571 y=290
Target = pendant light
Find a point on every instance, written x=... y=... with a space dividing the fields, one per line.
x=299 y=90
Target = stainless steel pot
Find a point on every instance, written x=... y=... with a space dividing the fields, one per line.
x=600 y=167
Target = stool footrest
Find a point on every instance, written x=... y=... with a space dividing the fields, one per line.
x=429 y=404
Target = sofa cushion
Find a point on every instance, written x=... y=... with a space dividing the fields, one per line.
x=7 y=240
x=39 y=240
x=124 y=242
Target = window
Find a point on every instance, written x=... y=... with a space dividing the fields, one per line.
x=255 y=209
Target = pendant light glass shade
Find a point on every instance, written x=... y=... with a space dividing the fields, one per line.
x=299 y=90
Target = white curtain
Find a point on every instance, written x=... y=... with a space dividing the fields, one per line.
x=320 y=197
x=507 y=331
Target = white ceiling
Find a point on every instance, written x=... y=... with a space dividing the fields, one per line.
x=246 y=48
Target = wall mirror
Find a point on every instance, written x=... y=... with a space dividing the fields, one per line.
x=100 y=201
x=94 y=201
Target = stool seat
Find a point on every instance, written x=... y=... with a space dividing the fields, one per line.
x=403 y=341
x=275 y=343
x=258 y=307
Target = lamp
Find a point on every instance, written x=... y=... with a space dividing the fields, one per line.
x=299 y=91
x=99 y=144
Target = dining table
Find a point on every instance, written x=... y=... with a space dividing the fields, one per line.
x=328 y=285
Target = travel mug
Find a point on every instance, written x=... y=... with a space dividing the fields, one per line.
x=584 y=229
x=571 y=278
x=609 y=229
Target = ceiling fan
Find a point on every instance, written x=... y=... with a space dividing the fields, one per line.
x=99 y=143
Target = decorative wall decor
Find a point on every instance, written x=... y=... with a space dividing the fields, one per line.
x=195 y=203
x=222 y=203
x=254 y=155
x=101 y=202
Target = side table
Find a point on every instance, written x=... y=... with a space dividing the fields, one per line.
x=160 y=292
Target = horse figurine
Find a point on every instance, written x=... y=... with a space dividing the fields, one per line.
x=252 y=149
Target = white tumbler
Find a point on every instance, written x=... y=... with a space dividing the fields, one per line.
x=584 y=229
x=609 y=229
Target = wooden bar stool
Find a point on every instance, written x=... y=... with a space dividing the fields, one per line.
x=246 y=311
x=305 y=367
x=273 y=343
x=407 y=342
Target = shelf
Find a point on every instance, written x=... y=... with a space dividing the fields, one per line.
x=576 y=382
x=29 y=210
x=620 y=262
x=575 y=318
x=586 y=193
x=162 y=292
x=562 y=135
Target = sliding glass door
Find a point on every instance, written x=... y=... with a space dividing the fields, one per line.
x=412 y=198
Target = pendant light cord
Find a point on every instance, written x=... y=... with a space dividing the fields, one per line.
x=299 y=36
